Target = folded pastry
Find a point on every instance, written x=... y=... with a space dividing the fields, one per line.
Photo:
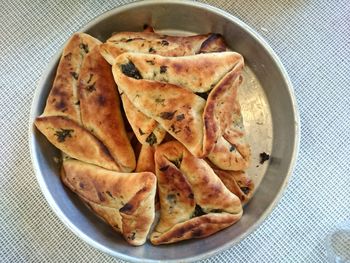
x=63 y=98
x=199 y=73
x=75 y=141
x=145 y=162
x=123 y=200
x=224 y=124
x=194 y=203
x=176 y=108
x=100 y=109
x=153 y=43
x=147 y=130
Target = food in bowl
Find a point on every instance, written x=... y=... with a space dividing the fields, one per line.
x=182 y=124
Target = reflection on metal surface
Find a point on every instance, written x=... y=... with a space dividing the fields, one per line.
x=257 y=121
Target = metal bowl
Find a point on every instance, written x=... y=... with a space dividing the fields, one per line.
x=269 y=111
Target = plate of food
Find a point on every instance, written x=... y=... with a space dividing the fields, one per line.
x=164 y=130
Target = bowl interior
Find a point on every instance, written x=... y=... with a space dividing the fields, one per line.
x=184 y=17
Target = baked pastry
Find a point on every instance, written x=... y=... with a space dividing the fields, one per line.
x=124 y=200
x=153 y=43
x=75 y=141
x=178 y=109
x=224 y=124
x=100 y=109
x=63 y=98
x=147 y=130
x=194 y=203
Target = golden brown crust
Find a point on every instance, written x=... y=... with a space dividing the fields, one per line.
x=143 y=126
x=75 y=141
x=145 y=162
x=185 y=183
x=152 y=43
x=124 y=200
x=63 y=98
x=100 y=109
x=199 y=73
x=214 y=43
x=197 y=227
x=224 y=134
x=178 y=110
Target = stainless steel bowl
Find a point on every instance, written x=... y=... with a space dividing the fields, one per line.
x=270 y=116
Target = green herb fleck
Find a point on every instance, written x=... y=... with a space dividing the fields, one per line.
x=163 y=69
x=63 y=134
x=166 y=115
x=177 y=162
x=130 y=70
x=85 y=47
x=165 y=43
x=180 y=117
x=141 y=132
x=91 y=88
x=151 y=139
x=74 y=75
x=159 y=100
x=198 y=211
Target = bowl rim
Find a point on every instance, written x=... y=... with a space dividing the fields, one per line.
x=35 y=162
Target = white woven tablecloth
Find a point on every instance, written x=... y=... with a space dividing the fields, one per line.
x=311 y=37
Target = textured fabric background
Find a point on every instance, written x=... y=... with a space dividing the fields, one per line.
x=311 y=37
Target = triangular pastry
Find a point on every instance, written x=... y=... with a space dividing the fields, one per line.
x=194 y=203
x=123 y=200
x=63 y=98
x=147 y=130
x=224 y=124
x=176 y=108
x=199 y=73
x=100 y=109
x=153 y=43
x=75 y=141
